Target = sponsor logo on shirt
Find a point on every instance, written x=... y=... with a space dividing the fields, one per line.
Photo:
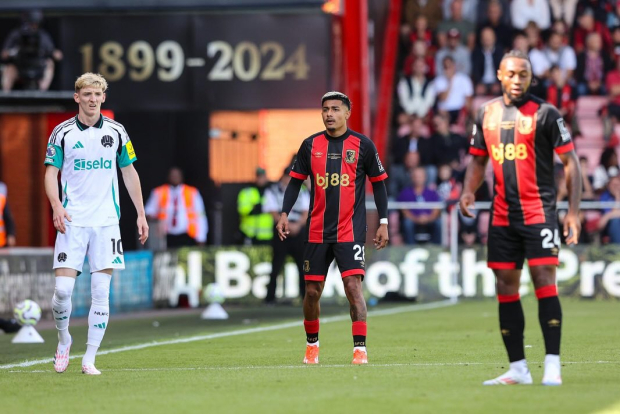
x=85 y=165
x=563 y=130
x=526 y=124
x=381 y=169
x=509 y=152
x=51 y=151
x=318 y=154
x=350 y=157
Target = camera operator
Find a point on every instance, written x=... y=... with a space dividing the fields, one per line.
x=29 y=54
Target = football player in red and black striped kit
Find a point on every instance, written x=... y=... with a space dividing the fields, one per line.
x=520 y=134
x=338 y=160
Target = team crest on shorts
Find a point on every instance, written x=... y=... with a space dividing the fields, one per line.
x=306 y=266
x=350 y=157
x=525 y=125
x=107 y=141
x=62 y=257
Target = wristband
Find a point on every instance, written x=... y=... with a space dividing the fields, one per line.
x=383 y=221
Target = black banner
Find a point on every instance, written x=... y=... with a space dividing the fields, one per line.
x=202 y=61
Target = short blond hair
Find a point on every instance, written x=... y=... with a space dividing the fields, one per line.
x=91 y=80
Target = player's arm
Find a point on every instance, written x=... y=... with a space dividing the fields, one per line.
x=132 y=182
x=572 y=172
x=474 y=175
x=381 y=201
x=51 y=190
x=290 y=197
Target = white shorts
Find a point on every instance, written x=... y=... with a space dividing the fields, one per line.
x=102 y=245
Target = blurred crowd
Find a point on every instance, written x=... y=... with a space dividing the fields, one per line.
x=450 y=51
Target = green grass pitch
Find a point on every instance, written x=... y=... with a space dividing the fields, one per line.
x=421 y=361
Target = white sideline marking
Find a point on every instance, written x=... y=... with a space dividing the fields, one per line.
x=300 y=366
x=338 y=318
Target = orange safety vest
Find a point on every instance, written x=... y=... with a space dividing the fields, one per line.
x=189 y=193
x=2 y=226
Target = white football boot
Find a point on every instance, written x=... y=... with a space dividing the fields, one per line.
x=89 y=369
x=61 y=358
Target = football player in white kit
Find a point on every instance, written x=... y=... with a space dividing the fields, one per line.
x=87 y=148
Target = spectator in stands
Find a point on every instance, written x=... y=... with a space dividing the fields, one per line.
x=454 y=90
x=554 y=54
x=613 y=15
x=524 y=11
x=609 y=222
x=419 y=50
x=586 y=178
x=534 y=39
x=469 y=233
x=400 y=175
x=30 y=53
x=465 y=28
x=612 y=112
x=469 y=10
x=495 y=20
x=485 y=61
x=411 y=143
x=422 y=32
x=484 y=6
x=420 y=225
x=255 y=223
x=459 y=54
x=607 y=165
x=563 y=10
x=7 y=224
x=615 y=41
x=402 y=124
x=592 y=65
x=598 y=8
x=586 y=25
x=561 y=94
x=447 y=147
x=416 y=93
x=429 y=8
x=562 y=195
x=520 y=43
x=448 y=187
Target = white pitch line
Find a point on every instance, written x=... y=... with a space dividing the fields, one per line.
x=339 y=318
x=324 y=366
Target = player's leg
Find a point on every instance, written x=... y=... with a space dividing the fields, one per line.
x=506 y=255
x=105 y=253
x=317 y=257
x=550 y=318
x=280 y=249
x=350 y=259
x=69 y=252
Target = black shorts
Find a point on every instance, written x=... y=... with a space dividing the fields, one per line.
x=319 y=256
x=508 y=246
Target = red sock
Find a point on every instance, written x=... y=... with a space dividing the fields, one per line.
x=359 y=333
x=312 y=331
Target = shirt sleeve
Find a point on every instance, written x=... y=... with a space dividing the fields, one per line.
x=556 y=130
x=372 y=164
x=301 y=165
x=477 y=145
x=54 y=154
x=126 y=154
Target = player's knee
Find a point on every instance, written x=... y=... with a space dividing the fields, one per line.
x=100 y=293
x=61 y=294
x=313 y=292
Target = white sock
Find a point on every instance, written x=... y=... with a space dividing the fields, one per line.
x=99 y=314
x=361 y=348
x=313 y=343
x=61 y=307
x=519 y=366
x=552 y=365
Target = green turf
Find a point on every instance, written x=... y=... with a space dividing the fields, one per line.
x=430 y=361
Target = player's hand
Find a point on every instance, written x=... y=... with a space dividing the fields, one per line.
x=59 y=216
x=282 y=227
x=467 y=199
x=572 y=228
x=382 y=238
x=143 y=229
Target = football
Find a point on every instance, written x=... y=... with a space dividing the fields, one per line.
x=213 y=293
x=27 y=312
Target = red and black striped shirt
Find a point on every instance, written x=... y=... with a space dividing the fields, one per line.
x=520 y=140
x=338 y=167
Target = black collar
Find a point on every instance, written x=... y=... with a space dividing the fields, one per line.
x=82 y=126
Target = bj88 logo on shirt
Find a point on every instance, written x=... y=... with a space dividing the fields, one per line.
x=509 y=152
x=333 y=179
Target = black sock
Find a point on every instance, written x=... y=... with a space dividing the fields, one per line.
x=550 y=317
x=511 y=325
x=359 y=340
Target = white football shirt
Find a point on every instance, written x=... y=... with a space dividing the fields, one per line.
x=87 y=157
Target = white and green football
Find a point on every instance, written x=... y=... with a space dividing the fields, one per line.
x=27 y=312
x=213 y=293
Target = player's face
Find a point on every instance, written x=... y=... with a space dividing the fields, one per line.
x=335 y=115
x=89 y=100
x=515 y=75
